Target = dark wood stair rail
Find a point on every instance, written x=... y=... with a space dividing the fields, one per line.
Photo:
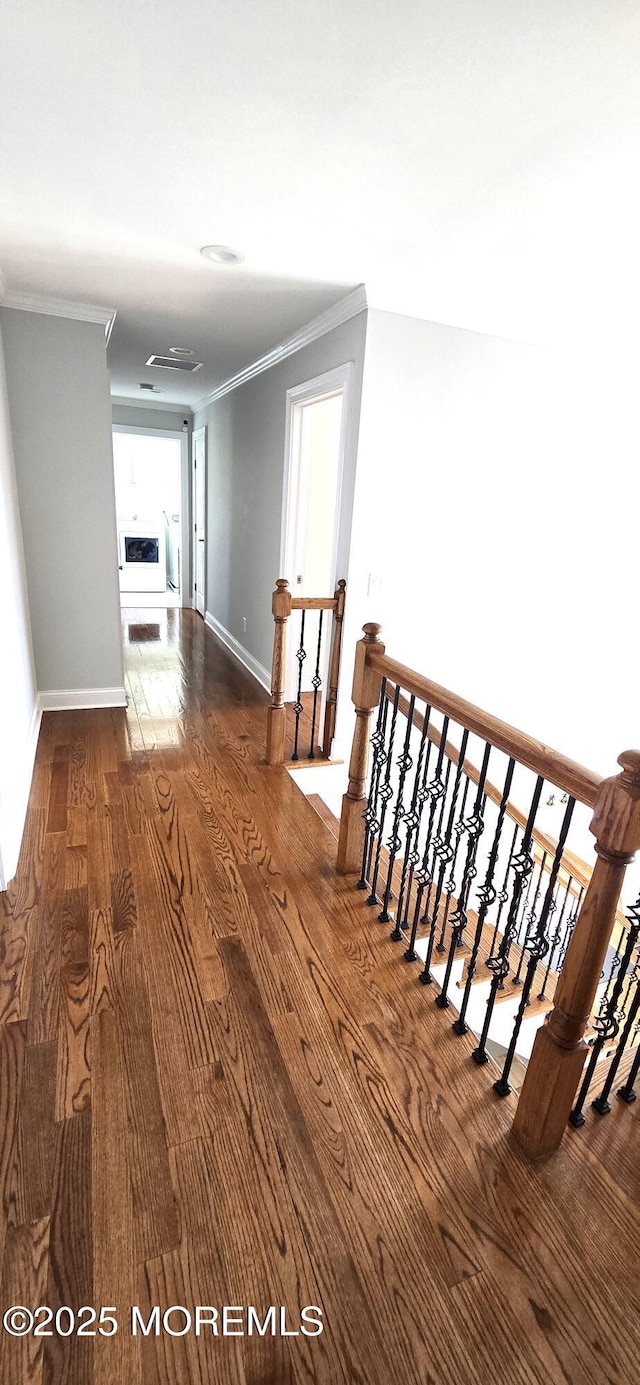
x=557 y=1060
x=282 y=604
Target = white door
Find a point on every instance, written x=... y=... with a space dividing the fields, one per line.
x=199 y=518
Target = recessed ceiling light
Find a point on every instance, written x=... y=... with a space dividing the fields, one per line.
x=180 y=351
x=221 y=254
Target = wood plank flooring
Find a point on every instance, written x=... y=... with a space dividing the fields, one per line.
x=220 y=1085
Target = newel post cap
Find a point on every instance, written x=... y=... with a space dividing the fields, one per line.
x=371 y=631
x=281 y=600
x=616 y=814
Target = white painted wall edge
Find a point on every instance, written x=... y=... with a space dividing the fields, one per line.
x=9 y=865
x=79 y=699
x=260 y=673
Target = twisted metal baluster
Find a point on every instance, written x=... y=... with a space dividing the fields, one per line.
x=573 y=918
x=435 y=790
x=385 y=793
x=449 y=885
x=412 y=823
x=607 y=1027
x=522 y=866
x=301 y=655
x=486 y=896
x=372 y=824
x=536 y=944
x=627 y=1091
x=394 y=843
x=530 y=918
x=556 y=938
x=438 y=846
x=316 y=683
x=503 y=894
x=442 y=846
x=474 y=826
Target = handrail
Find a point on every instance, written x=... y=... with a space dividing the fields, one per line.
x=564 y=773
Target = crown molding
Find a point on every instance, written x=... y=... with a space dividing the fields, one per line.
x=59 y=307
x=341 y=311
x=149 y=401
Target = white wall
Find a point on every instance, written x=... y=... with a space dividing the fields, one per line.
x=495 y=485
x=245 y=473
x=19 y=719
x=60 y=408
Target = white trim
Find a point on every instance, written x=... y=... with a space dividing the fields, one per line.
x=149 y=401
x=195 y=437
x=60 y=307
x=334 y=381
x=342 y=311
x=185 y=526
x=3 y=292
x=80 y=699
x=8 y=866
x=260 y=673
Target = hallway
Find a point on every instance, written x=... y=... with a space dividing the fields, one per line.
x=219 y=1087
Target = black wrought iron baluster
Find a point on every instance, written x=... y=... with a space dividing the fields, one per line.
x=316 y=683
x=607 y=1027
x=556 y=938
x=301 y=655
x=474 y=827
x=448 y=885
x=536 y=944
x=486 y=897
x=522 y=866
x=503 y=894
x=384 y=794
x=443 y=849
x=405 y=763
x=529 y=919
x=573 y=917
x=412 y=823
x=379 y=756
x=438 y=846
x=434 y=790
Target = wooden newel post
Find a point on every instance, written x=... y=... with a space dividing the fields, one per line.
x=557 y=1060
x=334 y=670
x=276 y=714
x=366 y=695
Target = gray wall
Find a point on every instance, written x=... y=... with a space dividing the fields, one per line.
x=245 y=473
x=18 y=693
x=61 y=419
x=135 y=417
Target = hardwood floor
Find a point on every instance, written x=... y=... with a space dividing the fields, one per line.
x=219 y=1085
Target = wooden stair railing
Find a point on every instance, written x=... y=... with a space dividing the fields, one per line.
x=282 y=605
x=415 y=841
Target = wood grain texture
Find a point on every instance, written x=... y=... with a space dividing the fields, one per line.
x=220 y=1085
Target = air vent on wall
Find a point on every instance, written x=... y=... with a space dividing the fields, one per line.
x=171 y=363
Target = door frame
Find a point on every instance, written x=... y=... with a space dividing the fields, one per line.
x=335 y=381
x=198 y=433
x=185 y=528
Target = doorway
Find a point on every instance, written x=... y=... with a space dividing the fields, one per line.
x=314 y=452
x=148 y=472
x=199 y=492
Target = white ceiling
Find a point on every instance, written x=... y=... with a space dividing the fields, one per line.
x=474 y=163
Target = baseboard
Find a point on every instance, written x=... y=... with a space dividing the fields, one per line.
x=9 y=857
x=260 y=673
x=81 y=699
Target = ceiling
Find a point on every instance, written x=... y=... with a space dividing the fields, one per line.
x=475 y=164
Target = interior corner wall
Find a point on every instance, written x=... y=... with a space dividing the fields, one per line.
x=60 y=408
x=245 y=476
x=19 y=718
x=493 y=480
